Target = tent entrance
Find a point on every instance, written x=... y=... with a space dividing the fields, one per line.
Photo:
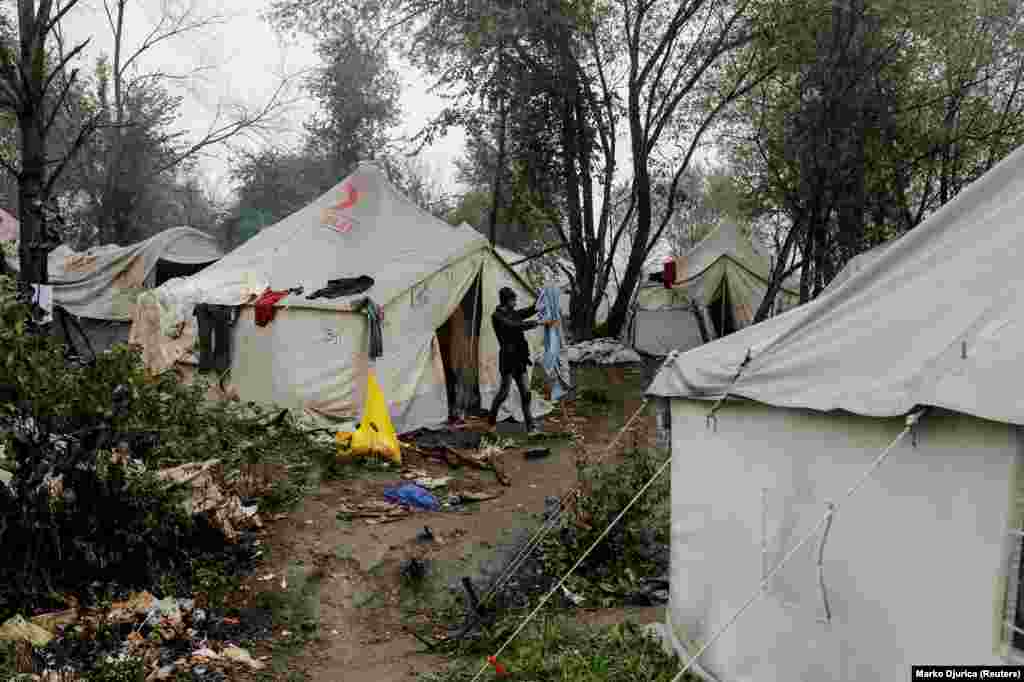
x=166 y=270
x=720 y=310
x=459 y=341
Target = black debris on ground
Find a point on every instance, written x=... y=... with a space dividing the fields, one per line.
x=438 y=439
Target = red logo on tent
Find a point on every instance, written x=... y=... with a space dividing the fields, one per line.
x=336 y=215
x=351 y=196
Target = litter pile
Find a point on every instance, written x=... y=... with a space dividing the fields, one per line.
x=602 y=352
x=167 y=637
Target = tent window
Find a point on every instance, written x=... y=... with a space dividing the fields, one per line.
x=459 y=339
x=166 y=270
x=720 y=311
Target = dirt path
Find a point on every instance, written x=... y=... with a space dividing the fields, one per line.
x=354 y=566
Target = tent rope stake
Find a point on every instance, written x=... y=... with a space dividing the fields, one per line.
x=912 y=420
x=579 y=561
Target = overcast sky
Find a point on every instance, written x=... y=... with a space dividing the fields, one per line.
x=243 y=61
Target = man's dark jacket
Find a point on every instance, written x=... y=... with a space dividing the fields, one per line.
x=509 y=325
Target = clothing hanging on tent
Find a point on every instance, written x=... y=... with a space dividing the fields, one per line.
x=345 y=286
x=215 y=322
x=265 y=306
x=555 y=361
x=374 y=316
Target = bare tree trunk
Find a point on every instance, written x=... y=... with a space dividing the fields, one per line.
x=642 y=185
x=31 y=199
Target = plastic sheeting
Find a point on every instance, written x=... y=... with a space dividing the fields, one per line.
x=602 y=352
x=937 y=319
x=104 y=282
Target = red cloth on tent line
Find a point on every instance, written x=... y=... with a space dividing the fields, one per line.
x=265 y=306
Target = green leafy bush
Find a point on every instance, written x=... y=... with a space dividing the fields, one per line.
x=634 y=549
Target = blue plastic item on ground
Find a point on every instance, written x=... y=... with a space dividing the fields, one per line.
x=412 y=495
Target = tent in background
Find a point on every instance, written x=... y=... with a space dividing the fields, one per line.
x=436 y=284
x=100 y=285
x=719 y=285
x=811 y=399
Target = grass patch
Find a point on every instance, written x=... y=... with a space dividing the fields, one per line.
x=556 y=648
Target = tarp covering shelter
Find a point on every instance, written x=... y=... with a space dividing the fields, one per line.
x=313 y=355
x=100 y=285
x=935 y=319
x=718 y=284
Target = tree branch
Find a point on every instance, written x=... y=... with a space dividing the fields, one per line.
x=155 y=37
x=60 y=100
x=225 y=132
x=83 y=133
x=59 y=68
x=60 y=15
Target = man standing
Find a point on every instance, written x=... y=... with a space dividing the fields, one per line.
x=514 y=353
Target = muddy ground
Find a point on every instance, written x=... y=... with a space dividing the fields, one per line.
x=347 y=572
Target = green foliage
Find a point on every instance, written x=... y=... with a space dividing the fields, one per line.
x=115 y=518
x=556 y=648
x=614 y=569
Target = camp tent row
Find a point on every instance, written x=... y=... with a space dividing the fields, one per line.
x=922 y=565
x=437 y=285
x=100 y=285
x=717 y=288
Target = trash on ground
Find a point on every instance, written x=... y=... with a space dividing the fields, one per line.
x=479 y=497
x=572 y=596
x=433 y=483
x=375 y=511
x=239 y=655
x=426 y=535
x=17 y=629
x=439 y=439
x=602 y=352
x=225 y=512
x=412 y=495
x=537 y=453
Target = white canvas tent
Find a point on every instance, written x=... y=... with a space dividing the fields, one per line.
x=922 y=564
x=100 y=285
x=314 y=355
x=718 y=285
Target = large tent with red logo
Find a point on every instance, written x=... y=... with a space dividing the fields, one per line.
x=437 y=285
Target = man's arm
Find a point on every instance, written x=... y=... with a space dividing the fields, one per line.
x=512 y=320
x=524 y=313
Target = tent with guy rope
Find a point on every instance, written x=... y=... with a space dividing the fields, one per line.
x=918 y=562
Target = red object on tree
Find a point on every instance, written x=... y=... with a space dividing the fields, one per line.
x=668 y=276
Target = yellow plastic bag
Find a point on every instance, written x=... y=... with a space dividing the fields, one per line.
x=376 y=434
